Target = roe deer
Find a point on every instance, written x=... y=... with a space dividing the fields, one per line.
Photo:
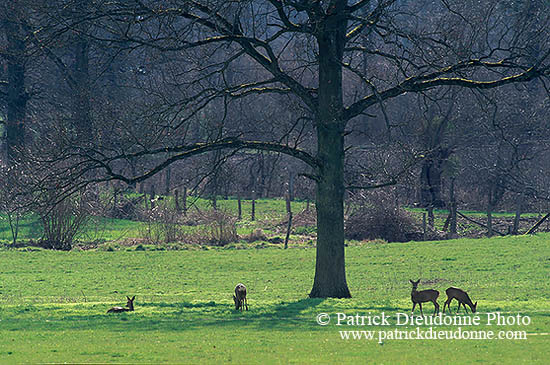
x=419 y=297
x=461 y=296
x=240 y=297
x=129 y=306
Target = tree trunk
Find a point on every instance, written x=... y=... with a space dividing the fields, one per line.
x=291 y=186
x=167 y=180
x=82 y=105
x=453 y=218
x=17 y=97
x=239 y=205
x=185 y=200
x=330 y=275
x=430 y=184
x=489 y=221
x=330 y=269
x=519 y=209
x=177 y=200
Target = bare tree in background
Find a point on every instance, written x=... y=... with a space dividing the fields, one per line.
x=337 y=59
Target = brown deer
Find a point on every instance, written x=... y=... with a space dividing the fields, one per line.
x=419 y=297
x=461 y=296
x=129 y=306
x=240 y=297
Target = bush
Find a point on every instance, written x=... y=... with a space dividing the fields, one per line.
x=375 y=216
x=256 y=235
x=163 y=224
x=220 y=227
x=62 y=222
x=126 y=207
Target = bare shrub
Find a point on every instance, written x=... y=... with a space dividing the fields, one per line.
x=220 y=228
x=214 y=227
x=162 y=224
x=126 y=207
x=256 y=235
x=63 y=221
x=374 y=215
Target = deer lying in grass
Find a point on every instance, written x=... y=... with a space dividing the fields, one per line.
x=419 y=297
x=461 y=296
x=129 y=306
x=240 y=297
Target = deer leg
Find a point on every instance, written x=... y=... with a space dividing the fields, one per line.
x=422 y=313
x=458 y=307
x=447 y=304
x=246 y=303
x=414 y=305
x=466 y=309
x=436 y=307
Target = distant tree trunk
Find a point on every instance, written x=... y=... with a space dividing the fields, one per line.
x=185 y=200
x=291 y=185
x=152 y=196
x=517 y=217
x=288 y=229
x=239 y=205
x=177 y=200
x=261 y=171
x=288 y=209
x=17 y=97
x=430 y=184
x=424 y=226
x=167 y=180
x=431 y=218
x=82 y=106
x=489 y=220
x=453 y=218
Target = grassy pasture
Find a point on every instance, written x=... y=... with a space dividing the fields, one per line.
x=53 y=304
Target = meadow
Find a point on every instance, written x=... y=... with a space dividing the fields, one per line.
x=53 y=304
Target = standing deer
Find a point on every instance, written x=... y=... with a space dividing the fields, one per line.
x=419 y=297
x=240 y=297
x=129 y=306
x=461 y=296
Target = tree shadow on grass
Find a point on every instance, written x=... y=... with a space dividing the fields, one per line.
x=285 y=315
x=187 y=316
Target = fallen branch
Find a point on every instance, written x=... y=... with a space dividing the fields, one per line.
x=534 y=228
x=478 y=223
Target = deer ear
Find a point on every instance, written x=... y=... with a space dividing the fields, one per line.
x=134 y=297
x=412 y=282
x=127 y=297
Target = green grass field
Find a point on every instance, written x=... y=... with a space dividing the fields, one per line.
x=53 y=304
